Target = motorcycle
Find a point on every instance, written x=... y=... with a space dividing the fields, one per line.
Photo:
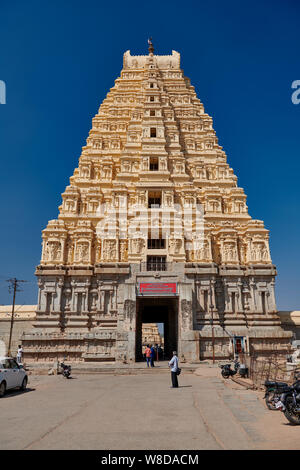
x=227 y=371
x=65 y=370
x=289 y=403
x=273 y=392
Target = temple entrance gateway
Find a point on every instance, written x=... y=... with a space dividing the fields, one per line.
x=158 y=310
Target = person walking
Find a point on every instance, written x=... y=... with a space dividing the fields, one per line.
x=19 y=354
x=148 y=355
x=174 y=368
x=152 y=355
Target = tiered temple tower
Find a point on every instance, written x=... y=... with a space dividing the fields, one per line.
x=151 y=335
x=153 y=226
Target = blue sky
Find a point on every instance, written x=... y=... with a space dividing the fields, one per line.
x=60 y=58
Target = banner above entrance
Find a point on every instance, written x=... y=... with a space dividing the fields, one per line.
x=157 y=288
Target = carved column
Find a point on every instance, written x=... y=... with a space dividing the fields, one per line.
x=68 y=296
x=260 y=304
x=102 y=301
x=52 y=305
x=41 y=287
x=84 y=302
x=227 y=298
x=213 y=294
x=252 y=295
x=62 y=255
x=186 y=315
x=272 y=301
x=76 y=302
x=94 y=294
x=99 y=285
x=245 y=295
x=114 y=296
x=60 y=285
x=239 y=296
x=86 y=296
x=202 y=300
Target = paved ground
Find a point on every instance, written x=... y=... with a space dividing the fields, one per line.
x=141 y=412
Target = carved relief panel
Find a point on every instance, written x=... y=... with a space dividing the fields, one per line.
x=229 y=253
x=109 y=250
x=175 y=245
x=258 y=251
x=52 y=251
x=137 y=245
x=123 y=250
x=82 y=252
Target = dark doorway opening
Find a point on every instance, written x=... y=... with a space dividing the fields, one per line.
x=158 y=310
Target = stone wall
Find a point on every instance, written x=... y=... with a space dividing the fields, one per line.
x=24 y=317
x=290 y=321
x=19 y=327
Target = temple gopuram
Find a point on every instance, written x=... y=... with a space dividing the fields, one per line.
x=153 y=228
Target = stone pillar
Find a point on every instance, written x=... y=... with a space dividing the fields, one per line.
x=126 y=343
x=43 y=250
x=68 y=296
x=213 y=294
x=272 y=300
x=99 y=284
x=260 y=305
x=114 y=294
x=41 y=287
x=62 y=256
x=252 y=301
x=94 y=294
x=228 y=300
x=75 y=296
x=52 y=305
x=102 y=300
x=188 y=347
x=59 y=288
x=84 y=302
x=239 y=297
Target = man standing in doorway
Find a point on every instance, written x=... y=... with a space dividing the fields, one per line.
x=174 y=368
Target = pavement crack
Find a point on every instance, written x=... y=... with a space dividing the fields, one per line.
x=58 y=425
x=240 y=424
x=218 y=441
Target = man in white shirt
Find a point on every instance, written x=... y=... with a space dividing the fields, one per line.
x=19 y=354
x=174 y=367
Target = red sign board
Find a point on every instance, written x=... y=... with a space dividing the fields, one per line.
x=160 y=288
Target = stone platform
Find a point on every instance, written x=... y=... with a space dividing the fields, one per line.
x=41 y=368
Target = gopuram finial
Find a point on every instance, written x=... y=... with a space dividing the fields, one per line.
x=151 y=48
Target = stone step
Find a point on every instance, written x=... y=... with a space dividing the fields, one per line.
x=109 y=368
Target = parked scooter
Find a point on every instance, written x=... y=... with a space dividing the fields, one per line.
x=289 y=403
x=65 y=370
x=273 y=393
x=227 y=371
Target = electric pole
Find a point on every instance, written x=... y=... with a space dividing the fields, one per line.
x=13 y=287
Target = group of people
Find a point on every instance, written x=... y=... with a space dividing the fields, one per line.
x=153 y=353
x=150 y=355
